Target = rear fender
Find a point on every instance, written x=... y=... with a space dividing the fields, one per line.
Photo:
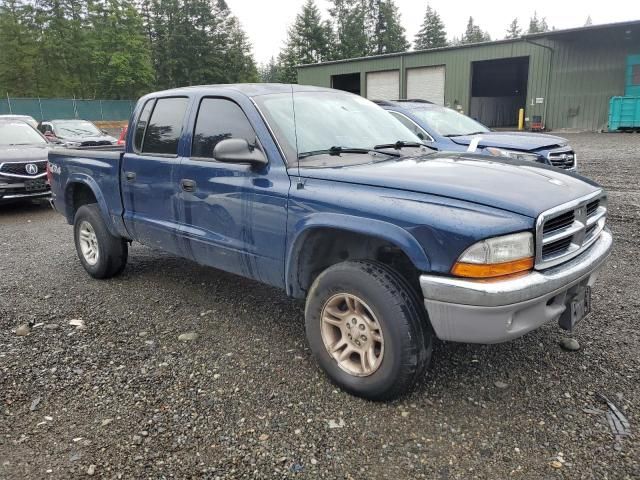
x=81 y=179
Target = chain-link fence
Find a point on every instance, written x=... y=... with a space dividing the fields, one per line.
x=64 y=108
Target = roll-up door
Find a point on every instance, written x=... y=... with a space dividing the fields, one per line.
x=383 y=85
x=426 y=83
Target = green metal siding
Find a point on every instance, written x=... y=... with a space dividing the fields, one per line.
x=576 y=79
x=586 y=72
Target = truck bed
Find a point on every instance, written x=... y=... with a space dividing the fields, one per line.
x=96 y=168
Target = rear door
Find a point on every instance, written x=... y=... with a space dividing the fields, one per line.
x=148 y=179
x=234 y=215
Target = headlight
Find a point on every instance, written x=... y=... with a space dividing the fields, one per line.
x=496 y=256
x=500 y=152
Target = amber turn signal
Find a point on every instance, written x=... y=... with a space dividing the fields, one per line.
x=491 y=270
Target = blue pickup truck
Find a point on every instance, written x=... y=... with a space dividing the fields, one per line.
x=451 y=131
x=327 y=196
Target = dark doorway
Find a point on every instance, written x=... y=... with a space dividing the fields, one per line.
x=499 y=90
x=349 y=82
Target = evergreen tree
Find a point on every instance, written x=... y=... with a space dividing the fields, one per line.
x=388 y=34
x=514 y=30
x=239 y=62
x=18 y=49
x=432 y=33
x=538 y=25
x=268 y=72
x=197 y=42
x=474 y=34
x=309 y=40
x=588 y=21
x=64 y=51
x=120 y=55
x=351 y=33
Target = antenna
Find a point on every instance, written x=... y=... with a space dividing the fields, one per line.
x=300 y=185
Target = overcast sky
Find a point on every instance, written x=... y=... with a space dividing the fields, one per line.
x=266 y=22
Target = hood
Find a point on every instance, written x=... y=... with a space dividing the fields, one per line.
x=89 y=139
x=23 y=153
x=526 y=188
x=513 y=140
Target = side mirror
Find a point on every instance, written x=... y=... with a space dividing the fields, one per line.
x=238 y=150
x=104 y=132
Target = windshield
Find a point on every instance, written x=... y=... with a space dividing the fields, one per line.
x=329 y=119
x=76 y=128
x=19 y=133
x=448 y=122
x=23 y=118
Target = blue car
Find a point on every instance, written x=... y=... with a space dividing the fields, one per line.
x=448 y=130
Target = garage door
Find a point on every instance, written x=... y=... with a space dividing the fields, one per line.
x=383 y=85
x=426 y=83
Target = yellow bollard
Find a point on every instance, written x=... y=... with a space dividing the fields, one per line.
x=521 y=119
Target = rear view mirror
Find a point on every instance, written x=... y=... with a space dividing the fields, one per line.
x=238 y=150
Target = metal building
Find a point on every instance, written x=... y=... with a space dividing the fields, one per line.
x=563 y=78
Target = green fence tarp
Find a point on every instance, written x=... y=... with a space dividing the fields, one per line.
x=64 y=108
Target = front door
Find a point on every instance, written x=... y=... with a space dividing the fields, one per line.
x=234 y=215
x=148 y=178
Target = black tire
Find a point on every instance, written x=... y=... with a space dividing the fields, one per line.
x=408 y=338
x=112 y=251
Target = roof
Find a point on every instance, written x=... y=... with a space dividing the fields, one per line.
x=552 y=33
x=248 y=89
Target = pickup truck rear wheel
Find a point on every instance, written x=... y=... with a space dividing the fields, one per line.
x=368 y=330
x=102 y=255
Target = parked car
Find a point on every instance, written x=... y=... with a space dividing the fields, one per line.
x=75 y=133
x=25 y=118
x=449 y=130
x=325 y=195
x=122 y=139
x=23 y=160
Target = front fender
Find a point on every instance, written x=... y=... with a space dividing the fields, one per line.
x=361 y=225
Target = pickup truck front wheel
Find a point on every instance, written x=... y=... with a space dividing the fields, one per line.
x=367 y=329
x=102 y=255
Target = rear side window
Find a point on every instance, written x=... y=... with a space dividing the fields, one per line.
x=163 y=132
x=219 y=119
x=412 y=126
x=143 y=120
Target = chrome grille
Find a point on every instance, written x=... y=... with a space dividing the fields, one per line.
x=19 y=169
x=562 y=159
x=566 y=231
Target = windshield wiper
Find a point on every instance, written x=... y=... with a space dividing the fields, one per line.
x=401 y=144
x=336 y=151
x=463 y=134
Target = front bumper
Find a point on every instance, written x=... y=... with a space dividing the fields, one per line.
x=14 y=189
x=491 y=312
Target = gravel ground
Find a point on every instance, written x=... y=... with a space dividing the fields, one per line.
x=123 y=397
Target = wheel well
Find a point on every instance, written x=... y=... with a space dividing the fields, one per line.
x=78 y=194
x=323 y=247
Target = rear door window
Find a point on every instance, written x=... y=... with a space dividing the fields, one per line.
x=141 y=126
x=219 y=119
x=165 y=126
x=407 y=122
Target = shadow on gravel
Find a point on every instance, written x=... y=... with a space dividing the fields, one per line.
x=22 y=208
x=455 y=367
